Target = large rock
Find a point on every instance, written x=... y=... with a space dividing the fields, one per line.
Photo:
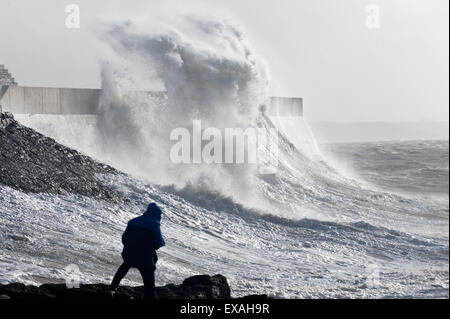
x=196 y=287
x=5 y=119
x=32 y=162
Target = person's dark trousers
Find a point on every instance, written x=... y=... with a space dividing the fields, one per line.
x=148 y=276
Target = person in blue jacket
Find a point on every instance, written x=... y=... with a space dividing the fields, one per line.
x=141 y=239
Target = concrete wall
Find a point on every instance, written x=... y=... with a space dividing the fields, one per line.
x=285 y=106
x=38 y=100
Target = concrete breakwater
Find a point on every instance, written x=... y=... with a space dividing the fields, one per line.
x=40 y=100
x=74 y=101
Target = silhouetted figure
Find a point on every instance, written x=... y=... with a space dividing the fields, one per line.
x=140 y=241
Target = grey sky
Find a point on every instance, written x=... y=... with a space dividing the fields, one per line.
x=318 y=49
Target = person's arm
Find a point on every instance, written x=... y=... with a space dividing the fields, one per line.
x=158 y=238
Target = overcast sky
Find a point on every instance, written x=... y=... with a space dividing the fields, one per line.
x=321 y=50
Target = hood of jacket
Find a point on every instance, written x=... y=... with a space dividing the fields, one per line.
x=154 y=211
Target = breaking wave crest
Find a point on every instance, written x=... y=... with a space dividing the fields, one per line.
x=208 y=71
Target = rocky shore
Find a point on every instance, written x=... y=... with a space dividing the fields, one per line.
x=32 y=162
x=196 y=287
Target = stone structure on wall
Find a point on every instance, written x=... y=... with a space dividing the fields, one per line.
x=6 y=80
x=5 y=77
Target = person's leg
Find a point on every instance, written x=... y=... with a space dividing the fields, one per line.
x=148 y=276
x=120 y=274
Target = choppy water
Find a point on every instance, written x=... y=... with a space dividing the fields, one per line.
x=412 y=167
x=367 y=244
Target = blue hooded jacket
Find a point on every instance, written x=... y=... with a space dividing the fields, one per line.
x=142 y=238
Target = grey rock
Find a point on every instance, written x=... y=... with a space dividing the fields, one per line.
x=196 y=287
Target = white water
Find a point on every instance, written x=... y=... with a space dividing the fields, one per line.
x=209 y=73
x=307 y=231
